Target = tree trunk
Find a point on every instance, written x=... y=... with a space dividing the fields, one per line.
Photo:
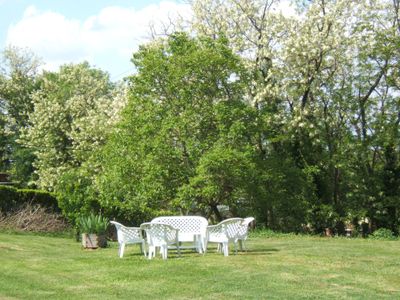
x=215 y=210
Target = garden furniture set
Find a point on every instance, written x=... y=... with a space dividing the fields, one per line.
x=171 y=231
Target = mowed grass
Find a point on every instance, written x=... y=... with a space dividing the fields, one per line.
x=43 y=267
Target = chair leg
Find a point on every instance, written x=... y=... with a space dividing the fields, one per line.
x=225 y=249
x=152 y=251
x=164 y=251
x=204 y=245
x=241 y=245
x=121 y=249
x=143 y=248
x=198 y=244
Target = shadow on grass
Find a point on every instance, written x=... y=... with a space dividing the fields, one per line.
x=263 y=251
x=212 y=251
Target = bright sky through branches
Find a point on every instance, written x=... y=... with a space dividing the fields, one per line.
x=103 y=32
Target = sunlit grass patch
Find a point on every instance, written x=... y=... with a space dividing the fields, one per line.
x=285 y=267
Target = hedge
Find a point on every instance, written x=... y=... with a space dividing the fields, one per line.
x=8 y=198
x=11 y=198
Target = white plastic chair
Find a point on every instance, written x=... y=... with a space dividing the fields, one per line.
x=243 y=232
x=129 y=235
x=160 y=235
x=225 y=232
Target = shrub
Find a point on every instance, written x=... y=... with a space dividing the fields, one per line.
x=42 y=198
x=269 y=233
x=323 y=216
x=8 y=198
x=76 y=196
x=382 y=234
x=12 y=199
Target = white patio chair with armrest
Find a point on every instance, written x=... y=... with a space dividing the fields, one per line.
x=128 y=235
x=243 y=232
x=160 y=235
x=225 y=232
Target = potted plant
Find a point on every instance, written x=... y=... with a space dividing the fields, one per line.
x=93 y=228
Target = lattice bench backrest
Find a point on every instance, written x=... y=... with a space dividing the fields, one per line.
x=190 y=224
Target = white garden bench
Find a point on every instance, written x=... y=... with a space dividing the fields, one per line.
x=191 y=229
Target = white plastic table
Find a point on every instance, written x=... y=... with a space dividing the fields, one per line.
x=191 y=229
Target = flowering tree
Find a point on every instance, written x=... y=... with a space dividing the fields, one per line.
x=324 y=83
x=74 y=109
x=18 y=80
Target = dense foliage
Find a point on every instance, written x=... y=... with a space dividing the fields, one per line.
x=12 y=198
x=181 y=109
x=292 y=118
x=326 y=85
x=18 y=82
x=69 y=121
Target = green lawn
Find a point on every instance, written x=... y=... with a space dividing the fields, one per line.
x=38 y=267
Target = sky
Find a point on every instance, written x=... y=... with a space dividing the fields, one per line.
x=103 y=32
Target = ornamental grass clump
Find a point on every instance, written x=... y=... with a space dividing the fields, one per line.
x=93 y=224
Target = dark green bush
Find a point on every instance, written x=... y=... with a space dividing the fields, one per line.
x=269 y=233
x=8 y=198
x=76 y=195
x=382 y=234
x=12 y=198
x=42 y=198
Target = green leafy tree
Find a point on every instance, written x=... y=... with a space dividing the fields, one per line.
x=178 y=109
